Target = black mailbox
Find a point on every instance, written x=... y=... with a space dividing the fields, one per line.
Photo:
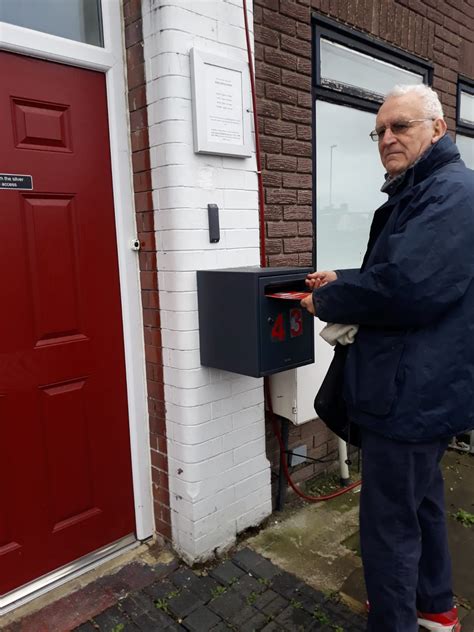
x=244 y=329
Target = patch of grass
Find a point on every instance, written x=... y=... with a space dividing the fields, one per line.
x=464 y=517
x=118 y=628
x=263 y=581
x=162 y=604
x=323 y=484
x=218 y=590
x=252 y=598
x=332 y=595
x=337 y=628
x=329 y=482
x=173 y=593
x=296 y=604
x=321 y=616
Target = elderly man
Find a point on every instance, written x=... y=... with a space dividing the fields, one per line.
x=409 y=375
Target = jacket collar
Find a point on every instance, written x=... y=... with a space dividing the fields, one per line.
x=439 y=154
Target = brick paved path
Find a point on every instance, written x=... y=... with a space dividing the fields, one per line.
x=244 y=593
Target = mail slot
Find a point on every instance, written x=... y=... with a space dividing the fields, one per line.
x=251 y=321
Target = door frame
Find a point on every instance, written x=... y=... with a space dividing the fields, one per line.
x=110 y=60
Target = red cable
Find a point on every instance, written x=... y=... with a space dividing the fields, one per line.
x=261 y=195
x=311 y=499
x=261 y=218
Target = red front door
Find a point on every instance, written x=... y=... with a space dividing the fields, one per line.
x=65 y=472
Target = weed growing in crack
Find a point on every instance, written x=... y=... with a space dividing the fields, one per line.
x=321 y=616
x=218 y=590
x=264 y=582
x=162 y=604
x=464 y=517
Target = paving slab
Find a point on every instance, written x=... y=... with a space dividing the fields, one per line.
x=256 y=622
x=110 y=619
x=227 y=572
x=86 y=627
x=203 y=586
x=184 y=603
x=264 y=600
x=227 y=605
x=161 y=589
x=247 y=586
x=202 y=620
x=275 y=607
x=294 y=619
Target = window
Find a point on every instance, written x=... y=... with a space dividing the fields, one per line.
x=78 y=20
x=353 y=69
x=349 y=176
x=465 y=121
x=352 y=73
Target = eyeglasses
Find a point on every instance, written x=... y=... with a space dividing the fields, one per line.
x=398 y=128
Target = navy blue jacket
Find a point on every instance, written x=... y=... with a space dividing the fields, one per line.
x=410 y=372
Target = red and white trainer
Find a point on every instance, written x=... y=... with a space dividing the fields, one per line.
x=442 y=622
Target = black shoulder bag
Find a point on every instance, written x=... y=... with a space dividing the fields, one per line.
x=329 y=402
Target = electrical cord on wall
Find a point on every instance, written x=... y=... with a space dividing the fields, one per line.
x=261 y=211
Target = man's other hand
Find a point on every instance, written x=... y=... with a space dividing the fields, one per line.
x=320 y=278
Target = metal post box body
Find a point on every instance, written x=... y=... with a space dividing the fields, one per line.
x=244 y=331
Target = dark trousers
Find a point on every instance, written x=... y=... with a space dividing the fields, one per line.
x=404 y=544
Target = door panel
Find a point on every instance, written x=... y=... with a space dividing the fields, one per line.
x=65 y=483
x=53 y=220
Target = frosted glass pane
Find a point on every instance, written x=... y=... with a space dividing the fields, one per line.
x=466 y=149
x=349 y=175
x=355 y=69
x=73 y=19
x=467 y=107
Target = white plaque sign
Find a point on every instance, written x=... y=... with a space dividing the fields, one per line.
x=221 y=105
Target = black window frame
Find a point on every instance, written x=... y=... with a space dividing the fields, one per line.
x=463 y=127
x=349 y=96
x=362 y=43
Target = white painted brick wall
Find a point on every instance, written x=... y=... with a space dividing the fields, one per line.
x=219 y=474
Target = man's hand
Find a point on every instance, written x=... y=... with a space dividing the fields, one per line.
x=313 y=281
x=308 y=304
x=318 y=279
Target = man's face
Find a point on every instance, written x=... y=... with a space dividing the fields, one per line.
x=399 y=150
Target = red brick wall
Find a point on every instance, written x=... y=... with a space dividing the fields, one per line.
x=441 y=31
x=148 y=270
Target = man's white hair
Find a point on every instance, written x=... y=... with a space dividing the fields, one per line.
x=432 y=107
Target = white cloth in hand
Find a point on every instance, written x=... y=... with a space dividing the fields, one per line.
x=343 y=334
